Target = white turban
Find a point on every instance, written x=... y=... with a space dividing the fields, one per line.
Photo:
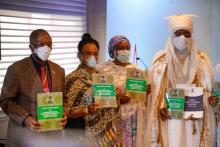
x=180 y=21
x=179 y=73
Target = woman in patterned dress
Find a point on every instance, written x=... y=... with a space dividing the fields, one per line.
x=101 y=124
x=133 y=114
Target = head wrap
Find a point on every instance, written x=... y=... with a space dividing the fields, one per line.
x=113 y=42
x=181 y=21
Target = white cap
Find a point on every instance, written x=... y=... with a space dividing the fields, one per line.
x=181 y=21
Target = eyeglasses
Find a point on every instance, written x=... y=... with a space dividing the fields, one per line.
x=185 y=33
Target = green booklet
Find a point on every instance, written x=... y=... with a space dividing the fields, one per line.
x=175 y=102
x=216 y=90
x=49 y=110
x=135 y=83
x=104 y=90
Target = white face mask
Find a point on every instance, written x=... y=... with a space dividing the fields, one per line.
x=43 y=52
x=181 y=43
x=91 y=62
x=123 y=56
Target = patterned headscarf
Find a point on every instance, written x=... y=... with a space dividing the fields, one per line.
x=113 y=42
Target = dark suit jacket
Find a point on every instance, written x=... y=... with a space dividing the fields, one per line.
x=19 y=93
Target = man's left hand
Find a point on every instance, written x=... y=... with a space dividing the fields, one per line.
x=64 y=119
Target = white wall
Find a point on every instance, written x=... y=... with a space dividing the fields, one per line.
x=216 y=32
x=97 y=24
x=142 y=22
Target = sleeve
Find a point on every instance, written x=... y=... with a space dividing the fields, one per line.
x=72 y=88
x=158 y=79
x=9 y=97
x=65 y=108
x=206 y=72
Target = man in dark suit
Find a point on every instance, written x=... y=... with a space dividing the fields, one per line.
x=23 y=81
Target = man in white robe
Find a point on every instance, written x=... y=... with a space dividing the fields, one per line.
x=213 y=100
x=179 y=63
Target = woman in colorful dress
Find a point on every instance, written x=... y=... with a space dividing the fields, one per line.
x=133 y=114
x=101 y=124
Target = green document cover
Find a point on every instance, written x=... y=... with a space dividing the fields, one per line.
x=49 y=110
x=216 y=90
x=104 y=90
x=135 y=83
x=175 y=102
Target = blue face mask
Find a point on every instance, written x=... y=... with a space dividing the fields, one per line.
x=91 y=62
x=123 y=56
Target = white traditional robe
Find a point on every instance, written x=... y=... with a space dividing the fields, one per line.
x=178 y=133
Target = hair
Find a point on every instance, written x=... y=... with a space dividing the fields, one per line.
x=87 y=38
x=36 y=33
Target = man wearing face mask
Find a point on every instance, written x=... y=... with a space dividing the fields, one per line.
x=23 y=81
x=180 y=63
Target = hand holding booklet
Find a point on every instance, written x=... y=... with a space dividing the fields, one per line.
x=49 y=110
x=175 y=102
x=185 y=102
x=136 y=83
x=104 y=91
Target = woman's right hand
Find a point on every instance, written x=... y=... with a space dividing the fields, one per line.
x=121 y=97
x=93 y=107
x=81 y=112
x=164 y=115
x=118 y=91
